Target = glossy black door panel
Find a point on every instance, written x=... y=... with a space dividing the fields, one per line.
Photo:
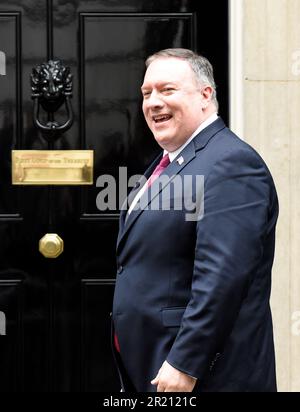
x=11 y=349
x=58 y=310
x=111 y=77
x=10 y=41
x=95 y=342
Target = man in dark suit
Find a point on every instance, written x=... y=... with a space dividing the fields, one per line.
x=191 y=306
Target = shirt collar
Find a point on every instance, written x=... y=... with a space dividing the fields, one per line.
x=207 y=122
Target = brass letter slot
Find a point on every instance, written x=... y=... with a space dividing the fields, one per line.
x=52 y=167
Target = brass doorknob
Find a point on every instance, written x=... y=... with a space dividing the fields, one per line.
x=51 y=245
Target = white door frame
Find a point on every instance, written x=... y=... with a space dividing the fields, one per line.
x=236 y=80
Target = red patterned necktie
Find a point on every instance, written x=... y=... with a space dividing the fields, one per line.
x=165 y=161
x=116 y=343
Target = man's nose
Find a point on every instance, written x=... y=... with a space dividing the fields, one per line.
x=154 y=101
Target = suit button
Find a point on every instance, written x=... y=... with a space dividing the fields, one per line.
x=120 y=270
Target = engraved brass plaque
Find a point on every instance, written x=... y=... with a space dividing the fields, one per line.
x=52 y=167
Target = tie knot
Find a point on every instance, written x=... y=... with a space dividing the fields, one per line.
x=165 y=161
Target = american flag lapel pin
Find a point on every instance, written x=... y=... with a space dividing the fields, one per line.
x=180 y=160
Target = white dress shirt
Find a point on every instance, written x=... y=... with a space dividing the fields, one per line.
x=173 y=155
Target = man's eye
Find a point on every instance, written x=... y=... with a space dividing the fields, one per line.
x=168 y=90
x=146 y=94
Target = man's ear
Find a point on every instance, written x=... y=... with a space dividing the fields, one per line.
x=207 y=93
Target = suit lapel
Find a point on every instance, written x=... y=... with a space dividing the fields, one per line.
x=174 y=168
x=133 y=193
x=170 y=172
x=202 y=139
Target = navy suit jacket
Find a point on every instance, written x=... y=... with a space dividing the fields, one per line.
x=196 y=293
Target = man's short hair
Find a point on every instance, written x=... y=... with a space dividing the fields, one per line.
x=200 y=65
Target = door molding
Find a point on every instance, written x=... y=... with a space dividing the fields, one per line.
x=236 y=57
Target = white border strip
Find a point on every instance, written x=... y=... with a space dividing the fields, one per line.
x=236 y=109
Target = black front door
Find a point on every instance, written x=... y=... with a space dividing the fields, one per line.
x=55 y=312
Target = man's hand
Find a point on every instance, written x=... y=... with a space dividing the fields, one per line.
x=170 y=379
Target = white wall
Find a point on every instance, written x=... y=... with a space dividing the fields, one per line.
x=265 y=110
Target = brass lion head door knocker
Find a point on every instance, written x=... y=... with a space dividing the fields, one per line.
x=51 y=85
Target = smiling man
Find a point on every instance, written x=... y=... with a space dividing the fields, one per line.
x=191 y=306
x=175 y=102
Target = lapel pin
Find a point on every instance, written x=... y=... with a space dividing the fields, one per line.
x=180 y=160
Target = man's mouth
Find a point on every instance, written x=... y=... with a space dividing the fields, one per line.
x=161 y=118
